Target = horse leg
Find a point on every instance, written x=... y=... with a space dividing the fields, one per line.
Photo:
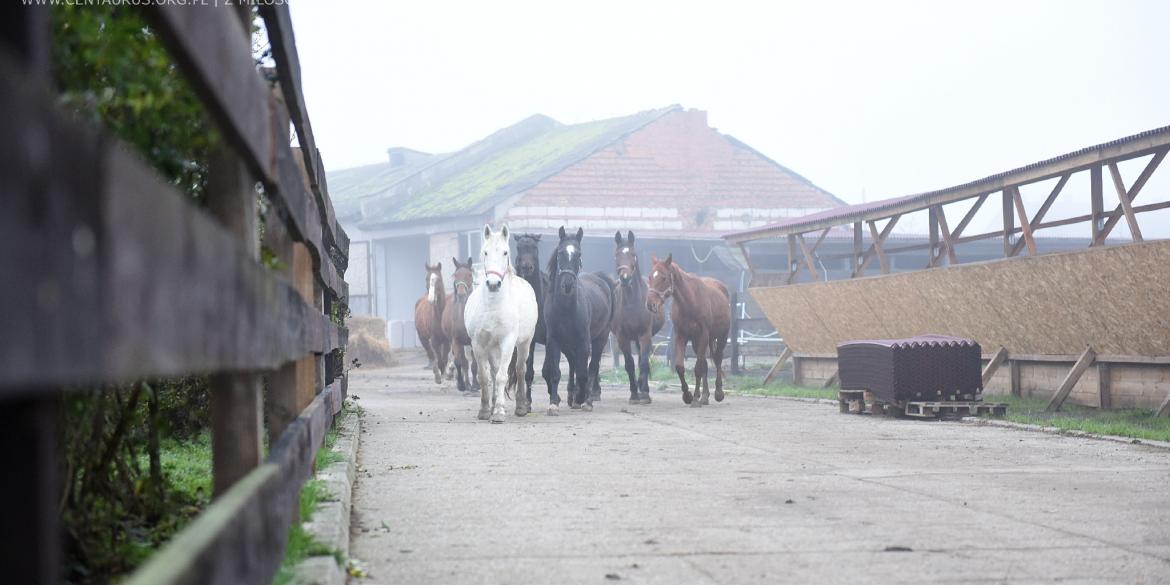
x=460 y=359
x=474 y=372
x=580 y=361
x=503 y=375
x=523 y=389
x=680 y=363
x=628 y=358
x=484 y=366
x=594 y=378
x=720 y=344
x=552 y=375
x=704 y=397
x=444 y=355
x=530 y=372
x=645 y=346
x=426 y=343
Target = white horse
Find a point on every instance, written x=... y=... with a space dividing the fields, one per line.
x=501 y=319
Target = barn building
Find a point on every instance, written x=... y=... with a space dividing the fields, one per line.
x=665 y=174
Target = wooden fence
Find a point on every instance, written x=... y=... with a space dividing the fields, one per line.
x=111 y=276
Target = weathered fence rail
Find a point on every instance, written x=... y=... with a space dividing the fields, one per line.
x=111 y=276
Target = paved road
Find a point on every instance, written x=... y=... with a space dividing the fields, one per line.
x=753 y=490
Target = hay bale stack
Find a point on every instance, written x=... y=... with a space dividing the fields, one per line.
x=367 y=342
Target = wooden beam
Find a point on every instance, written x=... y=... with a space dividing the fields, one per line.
x=808 y=257
x=1104 y=386
x=210 y=50
x=793 y=265
x=241 y=537
x=932 y=236
x=1132 y=194
x=1124 y=200
x=948 y=241
x=1097 y=204
x=114 y=257
x=1040 y=213
x=1074 y=375
x=1164 y=408
x=997 y=360
x=970 y=215
x=1009 y=222
x=877 y=245
x=1025 y=225
x=873 y=247
x=832 y=380
x=855 y=258
x=779 y=365
x=1014 y=385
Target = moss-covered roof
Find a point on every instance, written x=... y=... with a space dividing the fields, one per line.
x=484 y=174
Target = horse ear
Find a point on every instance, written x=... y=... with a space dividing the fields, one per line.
x=469 y=262
x=617 y=237
x=669 y=258
x=630 y=237
x=505 y=232
x=455 y=261
x=580 y=233
x=653 y=258
x=487 y=231
x=561 y=233
x=439 y=267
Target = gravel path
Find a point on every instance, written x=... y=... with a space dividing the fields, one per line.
x=752 y=490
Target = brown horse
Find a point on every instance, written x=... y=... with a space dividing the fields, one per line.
x=428 y=321
x=632 y=321
x=701 y=314
x=454 y=328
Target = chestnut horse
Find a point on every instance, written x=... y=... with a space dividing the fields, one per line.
x=632 y=321
x=701 y=314
x=454 y=327
x=428 y=321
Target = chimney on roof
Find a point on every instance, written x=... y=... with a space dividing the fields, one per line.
x=401 y=156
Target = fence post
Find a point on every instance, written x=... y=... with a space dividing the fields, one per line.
x=735 y=313
x=236 y=401
x=29 y=426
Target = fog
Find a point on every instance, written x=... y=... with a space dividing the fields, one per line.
x=868 y=100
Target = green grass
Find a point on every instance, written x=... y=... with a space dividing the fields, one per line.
x=1136 y=423
x=301 y=544
x=660 y=371
x=754 y=385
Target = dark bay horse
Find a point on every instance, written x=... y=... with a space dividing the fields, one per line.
x=528 y=267
x=455 y=329
x=578 y=310
x=632 y=321
x=701 y=314
x=428 y=321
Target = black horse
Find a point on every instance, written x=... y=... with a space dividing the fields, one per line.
x=528 y=267
x=578 y=309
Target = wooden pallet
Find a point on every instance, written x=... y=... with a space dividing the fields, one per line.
x=956 y=408
x=861 y=402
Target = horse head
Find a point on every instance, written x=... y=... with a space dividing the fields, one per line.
x=495 y=257
x=527 y=254
x=434 y=281
x=625 y=259
x=464 y=279
x=565 y=264
x=661 y=283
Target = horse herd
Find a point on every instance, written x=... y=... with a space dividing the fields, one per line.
x=521 y=304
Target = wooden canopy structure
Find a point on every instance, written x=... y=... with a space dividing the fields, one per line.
x=879 y=218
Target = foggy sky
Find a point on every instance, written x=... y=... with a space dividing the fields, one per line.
x=867 y=99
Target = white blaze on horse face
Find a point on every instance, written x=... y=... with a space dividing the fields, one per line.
x=655 y=275
x=625 y=250
x=431 y=287
x=570 y=250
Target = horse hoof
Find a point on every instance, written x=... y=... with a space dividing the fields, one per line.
x=554 y=410
x=719 y=395
x=497 y=418
x=635 y=400
x=644 y=399
x=704 y=401
x=575 y=406
x=484 y=414
x=687 y=398
x=587 y=407
x=595 y=397
x=696 y=403
x=521 y=411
